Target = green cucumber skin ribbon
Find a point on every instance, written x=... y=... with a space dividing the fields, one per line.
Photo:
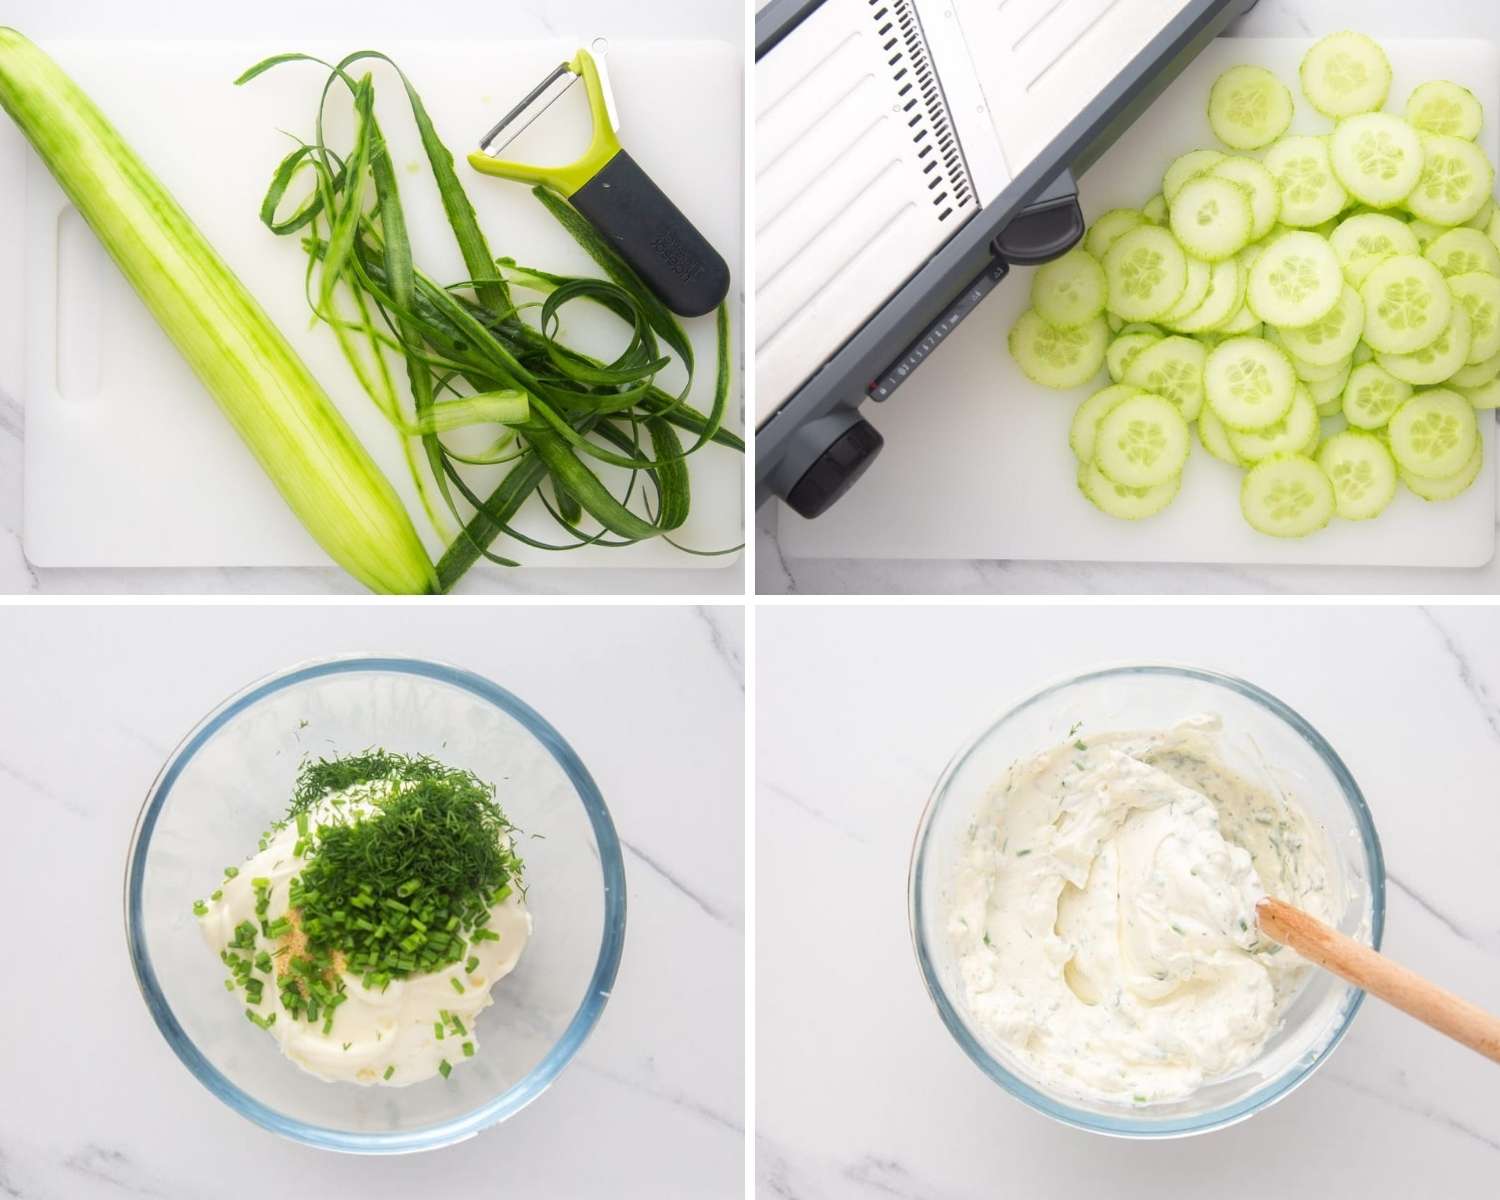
x=578 y=409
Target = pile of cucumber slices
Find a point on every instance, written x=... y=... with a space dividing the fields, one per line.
x=1351 y=277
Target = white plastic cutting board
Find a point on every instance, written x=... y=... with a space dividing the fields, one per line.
x=976 y=462
x=128 y=460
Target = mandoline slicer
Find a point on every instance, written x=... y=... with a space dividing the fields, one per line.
x=612 y=192
x=907 y=153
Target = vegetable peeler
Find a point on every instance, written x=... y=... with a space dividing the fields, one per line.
x=612 y=192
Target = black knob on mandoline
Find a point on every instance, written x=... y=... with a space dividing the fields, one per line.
x=834 y=471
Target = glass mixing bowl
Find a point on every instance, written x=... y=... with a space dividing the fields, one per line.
x=232 y=777
x=1264 y=740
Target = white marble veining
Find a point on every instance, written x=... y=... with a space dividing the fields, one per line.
x=860 y=1092
x=91 y=701
x=775 y=573
x=313 y=19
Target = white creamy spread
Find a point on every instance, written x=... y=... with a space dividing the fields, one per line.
x=1103 y=913
x=374 y=1029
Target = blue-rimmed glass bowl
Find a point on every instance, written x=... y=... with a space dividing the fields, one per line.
x=232 y=776
x=1264 y=740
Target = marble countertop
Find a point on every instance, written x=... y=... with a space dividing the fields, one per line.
x=777 y=574
x=860 y=1092
x=93 y=1104
x=310 y=19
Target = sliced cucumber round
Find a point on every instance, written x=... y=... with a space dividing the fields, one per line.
x=1058 y=358
x=1260 y=185
x=1172 y=368
x=1287 y=495
x=1480 y=294
x=1226 y=295
x=1407 y=305
x=1185 y=167
x=1484 y=397
x=1107 y=228
x=1084 y=430
x=1362 y=472
x=1200 y=277
x=1143 y=441
x=1122 y=352
x=1290 y=435
x=1211 y=217
x=1215 y=438
x=1477 y=374
x=1248 y=383
x=1372 y=395
x=1365 y=241
x=1377 y=157
x=1345 y=74
x=1328 y=394
x=1244 y=320
x=1069 y=291
x=1433 y=434
x=1310 y=192
x=1295 y=282
x=1445 y=108
x=1451 y=486
x=1147 y=273
x=1127 y=503
x=1248 y=108
x=1463 y=251
x=1311 y=373
x=1332 y=339
x=1456 y=181
x=1481 y=220
x=1436 y=363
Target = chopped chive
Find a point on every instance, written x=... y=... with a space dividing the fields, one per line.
x=218 y=894
x=389 y=1071
x=231 y=872
x=302 y=824
x=471 y=964
x=457 y=987
x=445 y=1068
x=468 y=1049
x=437 y=1030
x=199 y=908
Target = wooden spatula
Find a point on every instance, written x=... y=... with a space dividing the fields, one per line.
x=1378 y=975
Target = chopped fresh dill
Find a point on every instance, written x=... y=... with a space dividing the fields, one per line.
x=402 y=859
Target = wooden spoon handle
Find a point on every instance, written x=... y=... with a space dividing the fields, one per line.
x=1378 y=975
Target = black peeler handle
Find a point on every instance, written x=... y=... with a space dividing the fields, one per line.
x=650 y=233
